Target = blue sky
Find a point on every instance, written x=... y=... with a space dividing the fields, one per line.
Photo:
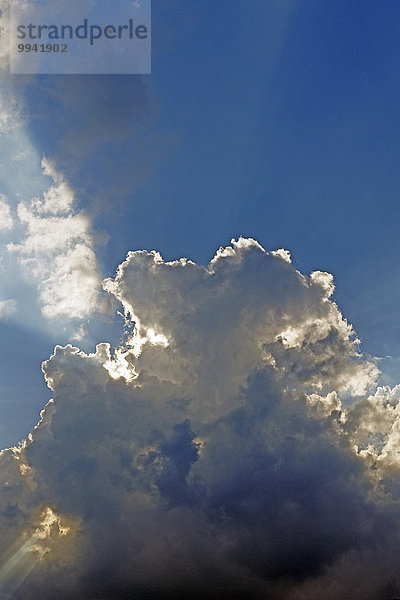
x=273 y=120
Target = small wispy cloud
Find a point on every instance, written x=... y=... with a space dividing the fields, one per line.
x=6 y=220
x=8 y=308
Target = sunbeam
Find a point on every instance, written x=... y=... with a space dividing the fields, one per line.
x=32 y=551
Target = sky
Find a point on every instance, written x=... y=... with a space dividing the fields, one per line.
x=199 y=281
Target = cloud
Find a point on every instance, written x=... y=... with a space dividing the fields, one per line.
x=6 y=220
x=99 y=129
x=7 y=308
x=235 y=446
x=58 y=251
x=51 y=244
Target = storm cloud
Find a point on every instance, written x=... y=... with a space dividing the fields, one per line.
x=235 y=446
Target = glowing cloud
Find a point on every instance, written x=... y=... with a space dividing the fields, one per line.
x=58 y=251
x=235 y=446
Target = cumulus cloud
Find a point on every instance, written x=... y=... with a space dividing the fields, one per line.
x=235 y=446
x=57 y=251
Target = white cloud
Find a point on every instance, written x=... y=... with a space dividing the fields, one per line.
x=276 y=316
x=58 y=251
x=219 y=451
x=6 y=221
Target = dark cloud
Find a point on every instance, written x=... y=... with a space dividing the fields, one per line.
x=97 y=129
